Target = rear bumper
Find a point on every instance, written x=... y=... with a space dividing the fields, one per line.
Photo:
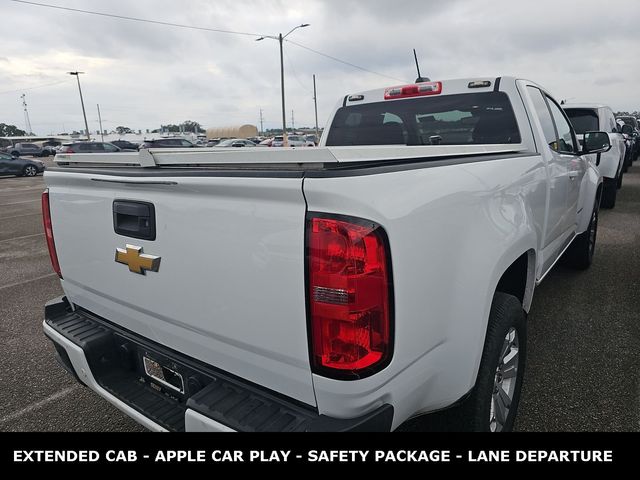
x=109 y=360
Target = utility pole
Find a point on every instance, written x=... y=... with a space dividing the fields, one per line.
x=86 y=125
x=100 y=120
x=261 y=124
x=26 y=114
x=293 y=123
x=315 y=106
x=280 y=38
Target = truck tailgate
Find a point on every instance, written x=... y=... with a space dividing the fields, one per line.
x=229 y=289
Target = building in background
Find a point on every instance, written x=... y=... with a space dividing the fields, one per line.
x=241 y=131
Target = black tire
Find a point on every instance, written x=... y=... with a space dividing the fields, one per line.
x=609 y=193
x=29 y=171
x=45 y=153
x=506 y=318
x=15 y=153
x=580 y=254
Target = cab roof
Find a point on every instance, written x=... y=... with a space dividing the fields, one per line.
x=585 y=105
x=446 y=87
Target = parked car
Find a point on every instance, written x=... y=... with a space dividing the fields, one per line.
x=125 y=145
x=49 y=147
x=89 y=147
x=294 y=141
x=25 y=149
x=266 y=143
x=635 y=134
x=10 y=165
x=627 y=134
x=168 y=143
x=235 y=142
x=383 y=275
x=592 y=118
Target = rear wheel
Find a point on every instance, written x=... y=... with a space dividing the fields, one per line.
x=30 y=171
x=609 y=193
x=493 y=403
x=627 y=162
x=15 y=153
x=580 y=253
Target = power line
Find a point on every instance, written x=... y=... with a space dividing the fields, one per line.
x=33 y=88
x=136 y=19
x=192 y=27
x=295 y=74
x=342 y=61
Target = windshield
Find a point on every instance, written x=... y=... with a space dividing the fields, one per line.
x=583 y=120
x=470 y=118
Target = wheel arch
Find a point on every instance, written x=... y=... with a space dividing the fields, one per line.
x=518 y=279
x=592 y=189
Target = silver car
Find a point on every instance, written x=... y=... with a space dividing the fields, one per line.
x=235 y=142
x=24 y=149
x=294 y=141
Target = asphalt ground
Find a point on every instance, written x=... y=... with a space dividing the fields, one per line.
x=583 y=359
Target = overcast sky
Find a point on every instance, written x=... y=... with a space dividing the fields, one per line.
x=145 y=75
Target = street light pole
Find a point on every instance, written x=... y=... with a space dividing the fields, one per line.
x=280 y=38
x=315 y=106
x=100 y=120
x=285 y=140
x=86 y=125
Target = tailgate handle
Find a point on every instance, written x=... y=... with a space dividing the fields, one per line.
x=134 y=219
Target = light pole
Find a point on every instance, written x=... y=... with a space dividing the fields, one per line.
x=86 y=125
x=280 y=38
x=100 y=120
x=315 y=106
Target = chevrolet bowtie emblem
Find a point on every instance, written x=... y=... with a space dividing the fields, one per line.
x=137 y=261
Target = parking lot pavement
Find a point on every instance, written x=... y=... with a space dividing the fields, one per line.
x=36 y=394
x=583 y=360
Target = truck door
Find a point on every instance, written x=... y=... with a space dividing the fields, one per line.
x=568 y=152
x=608 y=123
x=557 y=171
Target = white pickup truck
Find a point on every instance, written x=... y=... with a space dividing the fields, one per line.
x=383 y=275
x=587 y=117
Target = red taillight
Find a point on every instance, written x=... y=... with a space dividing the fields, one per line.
x=48 y=232
x=349 y=296
x=67 y=150
x=417 y=90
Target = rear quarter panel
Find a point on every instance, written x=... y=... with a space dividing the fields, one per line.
x=453 y=231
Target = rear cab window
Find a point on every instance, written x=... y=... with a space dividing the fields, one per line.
x=583 y=120
x=460 y=119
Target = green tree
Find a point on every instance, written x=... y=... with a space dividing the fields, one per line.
x=122 y=130
x=191 y=126
x=11 y=131
x=186 y=126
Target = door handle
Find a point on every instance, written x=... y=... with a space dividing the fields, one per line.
x=134 y=219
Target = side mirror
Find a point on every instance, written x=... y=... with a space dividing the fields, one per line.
x=596 y=142
x=627 y=129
